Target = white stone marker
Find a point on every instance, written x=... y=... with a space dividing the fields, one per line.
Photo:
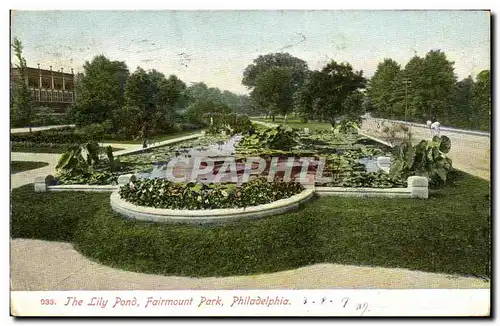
x=42 y=183
x=125 y=179
x=419 y=186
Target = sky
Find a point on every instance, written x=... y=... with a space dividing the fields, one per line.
x=214 y=47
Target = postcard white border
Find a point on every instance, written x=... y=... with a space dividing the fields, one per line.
x=189 y=4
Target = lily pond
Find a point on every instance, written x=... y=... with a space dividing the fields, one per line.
x=350 y=159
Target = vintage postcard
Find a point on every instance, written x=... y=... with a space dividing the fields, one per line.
x=250 y=163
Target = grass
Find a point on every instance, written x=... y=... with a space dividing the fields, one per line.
x=43 y=149
x=449 y=232
x=52 y=150
x=20 y=166
x=157 y=139
x=295 y=123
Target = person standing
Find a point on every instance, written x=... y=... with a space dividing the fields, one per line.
x=435 y=126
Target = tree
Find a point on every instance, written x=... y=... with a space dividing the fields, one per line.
x=354 y=106
x=482 y=100
x=199 y=110
x=100 y=91
x=140 y=95
x=172 y=92
x=272 y=60
x=462 y=109
x=274 y=90
x=384 y=89
x=439 y=81
x=326 y=92
x=417 y=91
x=22 y=102
x=290 y=75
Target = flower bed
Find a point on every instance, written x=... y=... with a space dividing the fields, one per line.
x=160 y=193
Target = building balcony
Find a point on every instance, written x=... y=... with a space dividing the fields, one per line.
x=52 y=95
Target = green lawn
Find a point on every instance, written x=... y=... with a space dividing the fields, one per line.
x=295 y=123
x=42 y=149
x=20 y=166
x=157 y=139
x=52 y=150
x=449 y=232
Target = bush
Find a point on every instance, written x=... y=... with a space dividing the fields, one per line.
x=28 y=145
x=162 y=193
x=60 y=136
x=189 y=126
x=281 y=137
x=396 y=134
x=88 y=164
x=95 y=131
x=427 y=158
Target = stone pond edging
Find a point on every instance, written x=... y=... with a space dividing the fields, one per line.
x=160 y=144
x=281 y=206
x=418 y=187
x=46 y=183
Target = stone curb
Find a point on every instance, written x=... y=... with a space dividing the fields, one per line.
x=210 y=215
x=160 y=144
x=87 y=188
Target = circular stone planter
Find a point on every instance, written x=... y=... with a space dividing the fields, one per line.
x=130 y=210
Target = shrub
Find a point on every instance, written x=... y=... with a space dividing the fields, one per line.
x=427 y=158
x=95 y=131
x=162 y=193
x=396 y=134
x=230 y=123
x=88 y=164
x=281 y=137
x=28 y=145
x=366 y=179
x=61 y=136
x=189 y=126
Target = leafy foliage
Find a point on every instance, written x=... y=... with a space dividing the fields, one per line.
x=22 y=111
x=432 y=91
x=482 y=100
x=62 y=136
x=427 y=158
x=263 y=63
x=396 y=133
x=385 y=89
x=346 y=126
x=230 y=123
x=364 y=179
x=100 y=90
x=274 y=90
x=161 y=193
x=281 y=137
x=201 y=111
x=332 y=93
x=88 y=164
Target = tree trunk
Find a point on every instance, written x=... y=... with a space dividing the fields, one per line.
x=333 y=122
x=144 y=135
x=286 y=116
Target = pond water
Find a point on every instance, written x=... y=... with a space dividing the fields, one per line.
x=370 y=164
x=218 y=151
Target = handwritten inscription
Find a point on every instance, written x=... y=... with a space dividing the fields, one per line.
x=344 y=302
